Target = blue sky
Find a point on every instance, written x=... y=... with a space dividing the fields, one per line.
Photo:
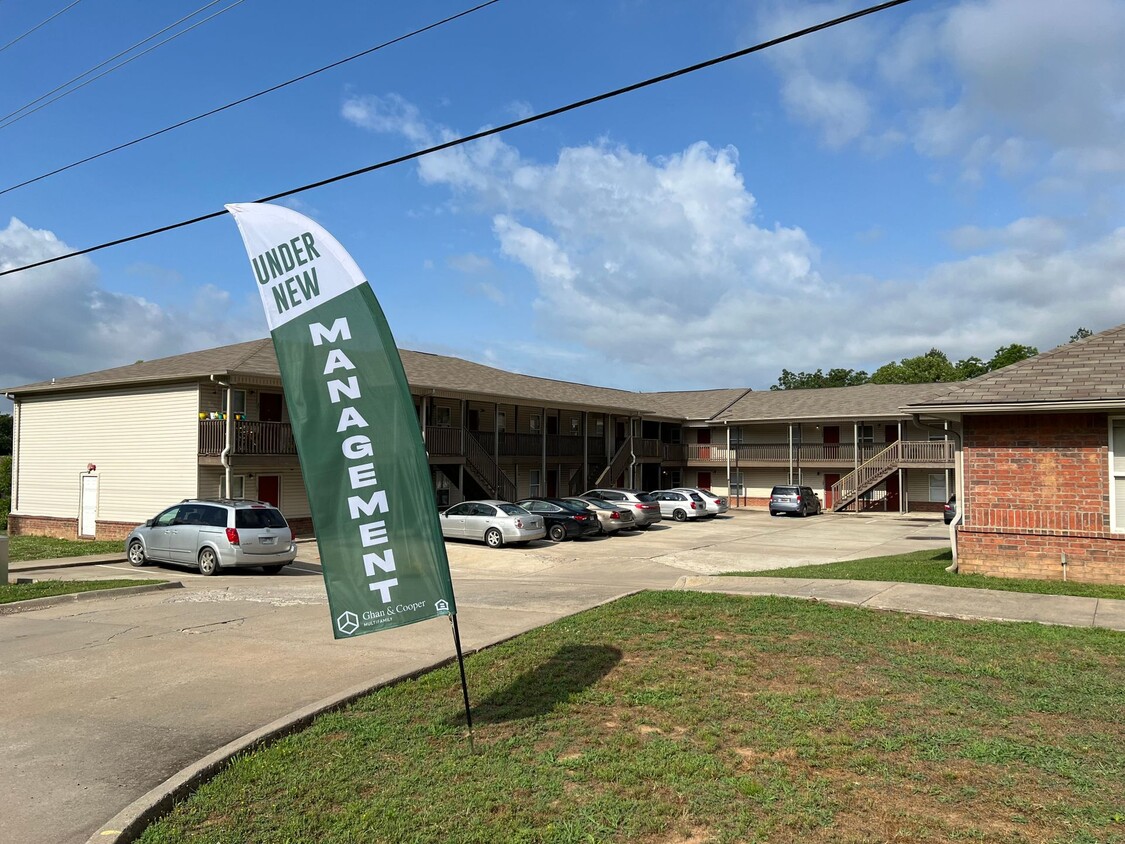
x=940 y=174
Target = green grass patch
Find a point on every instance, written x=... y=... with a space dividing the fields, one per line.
x=46 y=588
x=23 y=548
x=684 y=717
x=929 y=567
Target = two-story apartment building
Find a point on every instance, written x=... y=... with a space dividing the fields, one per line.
x=95 y=454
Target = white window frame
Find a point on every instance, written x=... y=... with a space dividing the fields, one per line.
x=737 y=483
x=501 y=421
x=237 y=484
x=940 y=493
x=237 y=401
x=1114 y=477
x=533 y=483
x=736 y=436
x=443 y=416
x=534 y=423
x=574 y=426
x=865 y=434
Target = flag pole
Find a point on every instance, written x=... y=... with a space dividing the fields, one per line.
x=464 y=683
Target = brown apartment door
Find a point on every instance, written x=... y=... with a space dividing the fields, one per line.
x=705 y=453
x=831 y=445
x=892 y=434
x=704 y=480
x=269 y=407
x=269 y=489
x=829 y=479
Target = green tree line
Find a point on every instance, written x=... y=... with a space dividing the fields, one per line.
x=932 y=367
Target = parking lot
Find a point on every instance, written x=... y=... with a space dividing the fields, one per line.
x=115 y=694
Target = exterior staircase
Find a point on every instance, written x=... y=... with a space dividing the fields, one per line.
x=617 y=465
x=901 y=454
x=487 y=472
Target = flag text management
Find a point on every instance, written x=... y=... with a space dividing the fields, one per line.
x=357 y=446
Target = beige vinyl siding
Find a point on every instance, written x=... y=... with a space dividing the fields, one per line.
x=918 y=485
x=144 y=445
x=294 y=497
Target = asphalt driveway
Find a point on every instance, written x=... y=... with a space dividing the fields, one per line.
x=106 y=698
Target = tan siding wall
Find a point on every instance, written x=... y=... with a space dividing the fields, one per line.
x=144 y=446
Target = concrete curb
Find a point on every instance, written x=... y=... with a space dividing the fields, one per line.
x=65 y=562
x=89 y=595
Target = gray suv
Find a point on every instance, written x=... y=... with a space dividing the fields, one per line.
x=790 y=498
x=215 y=533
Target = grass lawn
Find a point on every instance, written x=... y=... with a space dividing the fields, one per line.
x=45 y=588
x=929 y=567
x=677 y=717
x=23 y=548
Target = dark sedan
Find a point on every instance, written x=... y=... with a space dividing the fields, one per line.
x=563 y=519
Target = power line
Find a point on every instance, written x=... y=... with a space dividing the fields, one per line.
x=636 y=86
x=38 y=25
x=5 y=122
x=248 y=98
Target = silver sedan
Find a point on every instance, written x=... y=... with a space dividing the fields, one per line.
x=611 y=517
x=494 y=523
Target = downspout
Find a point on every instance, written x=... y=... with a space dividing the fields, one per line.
x=726 y=424
x=959 y=484
x=16 y=414
x=633 y=449
x=224 y=455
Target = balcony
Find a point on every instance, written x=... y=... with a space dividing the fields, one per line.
x=270 y=439
x=921 y=454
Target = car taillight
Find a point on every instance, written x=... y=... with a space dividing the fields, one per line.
x=615 y=515
x=519 y=523
x=693 y=505
x=232 y=536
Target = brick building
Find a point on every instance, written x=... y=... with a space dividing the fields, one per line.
x=1042 y=487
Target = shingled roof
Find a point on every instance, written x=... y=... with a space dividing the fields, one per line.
x=865 y=401
x=1085 y=372
x=424 y=371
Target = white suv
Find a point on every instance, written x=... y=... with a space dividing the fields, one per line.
x=215 y=533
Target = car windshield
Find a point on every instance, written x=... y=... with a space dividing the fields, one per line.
x=513 y=510
x=646 y=497
x=264 y=517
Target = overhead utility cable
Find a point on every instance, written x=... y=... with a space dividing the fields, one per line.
x=250 y=97
x=27 y=109
x=38 y=25
x=478 y=135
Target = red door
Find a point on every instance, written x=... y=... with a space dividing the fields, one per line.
x=829 y=479
x=831 y=446
x=704 y=480
x=705 y=453
x=892 y=500
x=269 y=489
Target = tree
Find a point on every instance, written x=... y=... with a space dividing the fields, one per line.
x=1081 y=334
x=970 y=367
x=837 y=377
x=1007 y=355
x=929 y=368
x=5 y=433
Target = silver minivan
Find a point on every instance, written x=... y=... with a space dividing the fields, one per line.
x=211 y=534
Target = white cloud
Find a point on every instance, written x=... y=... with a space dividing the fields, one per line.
x=58 y=320
x=662 y=266
x=986 y=84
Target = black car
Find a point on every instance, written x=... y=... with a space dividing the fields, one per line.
x=563 y=519
x=951 y=509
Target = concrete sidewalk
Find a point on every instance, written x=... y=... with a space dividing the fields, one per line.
x=945 y=601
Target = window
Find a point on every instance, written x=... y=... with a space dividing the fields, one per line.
x=574 y=425
x=237 y=487
x=675 y=436
x=237 y=401
x=442 y=416
x=1117 y=475
x=735 y=436
x=534 y=423
x=599 y=426
x=736 y=483
x=865 y=434
x=533 y=479
x=501 y=421
x=937 y=487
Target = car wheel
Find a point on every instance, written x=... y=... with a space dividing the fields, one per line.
x=137 y=553
x=208 y=562
x=493 y=538
x=679 y=515
x=804 y=511
x=272 y=569
x=557 y=533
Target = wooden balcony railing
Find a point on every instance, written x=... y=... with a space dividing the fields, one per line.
x=255 y=438
x=933 y=454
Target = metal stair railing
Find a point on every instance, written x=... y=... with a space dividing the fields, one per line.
x=487 y=471
x=617 y=464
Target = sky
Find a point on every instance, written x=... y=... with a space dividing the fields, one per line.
x=939 y=174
